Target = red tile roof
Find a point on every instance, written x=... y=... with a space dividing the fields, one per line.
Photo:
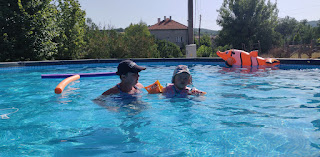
x=167 y=24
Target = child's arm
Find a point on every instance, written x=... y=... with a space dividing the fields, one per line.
x=196 y=92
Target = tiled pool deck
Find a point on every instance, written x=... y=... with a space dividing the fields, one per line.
x=95 y=61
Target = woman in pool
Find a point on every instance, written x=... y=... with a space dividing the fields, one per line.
x=180 y=79
x=129 y=76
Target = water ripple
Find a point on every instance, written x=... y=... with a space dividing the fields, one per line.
x=241 y=124
x=316 y=124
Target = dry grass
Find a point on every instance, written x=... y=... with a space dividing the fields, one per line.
x=315 y=55
x=292 y=52
x=280 y=53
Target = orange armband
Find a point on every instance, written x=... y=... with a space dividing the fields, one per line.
x=154 y=88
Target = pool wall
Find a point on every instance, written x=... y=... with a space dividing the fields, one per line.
x=95 y=61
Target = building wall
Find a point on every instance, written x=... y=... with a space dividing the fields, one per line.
x=179 y=37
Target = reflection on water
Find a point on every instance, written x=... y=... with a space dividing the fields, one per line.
x=240 y=124
x=128 y=103
x=5 y=112
x=121 y=138
x=254 y=70
x=316 y=124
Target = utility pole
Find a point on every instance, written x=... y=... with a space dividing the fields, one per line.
x=190 y=22
x=191 y=48
x=199 y=30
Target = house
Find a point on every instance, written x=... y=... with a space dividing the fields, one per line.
x=170 y=30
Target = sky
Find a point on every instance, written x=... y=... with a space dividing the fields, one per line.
x=121 y=13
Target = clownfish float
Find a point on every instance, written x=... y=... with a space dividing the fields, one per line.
x=243 y=58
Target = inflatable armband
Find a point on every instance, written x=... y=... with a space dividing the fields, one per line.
x=154 y=88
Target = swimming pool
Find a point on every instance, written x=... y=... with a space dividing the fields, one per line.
x=262 y=113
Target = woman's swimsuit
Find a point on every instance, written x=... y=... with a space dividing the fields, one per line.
x=128 y=97
x=121 y=92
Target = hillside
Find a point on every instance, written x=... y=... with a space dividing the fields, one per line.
x=314 y=23
x=204 y=31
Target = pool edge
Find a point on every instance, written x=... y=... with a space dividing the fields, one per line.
x=94 y=61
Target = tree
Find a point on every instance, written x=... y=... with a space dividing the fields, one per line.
x=204 y=40
x=139 y=41
x=317 y=30
x=96 y=40
x=247 y=22
x=168 y=49
x=302 y=33
x=204 y=51
x=286 y=27
x=27 y=29
x=306 y=31
x=222 y=48
x=71 y=24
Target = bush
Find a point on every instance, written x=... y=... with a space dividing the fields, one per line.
x=168 y=49
x=204 y=51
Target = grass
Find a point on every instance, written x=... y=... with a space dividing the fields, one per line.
x=315 y=55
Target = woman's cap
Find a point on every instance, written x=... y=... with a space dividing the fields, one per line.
x=128 y=66
x=180 y=69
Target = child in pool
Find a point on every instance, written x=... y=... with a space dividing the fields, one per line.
x=180 y=79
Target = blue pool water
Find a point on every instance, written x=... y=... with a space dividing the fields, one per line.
x=262 y=113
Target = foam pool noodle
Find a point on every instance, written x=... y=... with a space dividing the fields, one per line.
x=60 y=87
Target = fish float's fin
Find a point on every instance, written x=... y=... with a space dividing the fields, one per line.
x=230 y=61
x=272 y=61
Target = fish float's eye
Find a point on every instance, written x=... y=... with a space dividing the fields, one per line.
x=227 y=52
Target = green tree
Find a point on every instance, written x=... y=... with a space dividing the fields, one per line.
x=118 y=48
x=204 y=51
x=297 y=39
x=27 y=30
x=140 y=43
x=168 y=49
x=97 y=41
x=222 y=48
x=71 y=24
x=303 y=33
x=317 y=31
x=96 y=46
x=306 y=31
x=286 y=27
x=204 y=40
x=247 y=22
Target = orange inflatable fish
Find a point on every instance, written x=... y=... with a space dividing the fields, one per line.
x=243 y=58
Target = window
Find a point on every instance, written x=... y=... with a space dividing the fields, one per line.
x=178 y=39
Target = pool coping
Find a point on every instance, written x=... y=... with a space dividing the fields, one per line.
x=95 y=61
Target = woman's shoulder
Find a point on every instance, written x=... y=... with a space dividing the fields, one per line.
x=113 y=90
